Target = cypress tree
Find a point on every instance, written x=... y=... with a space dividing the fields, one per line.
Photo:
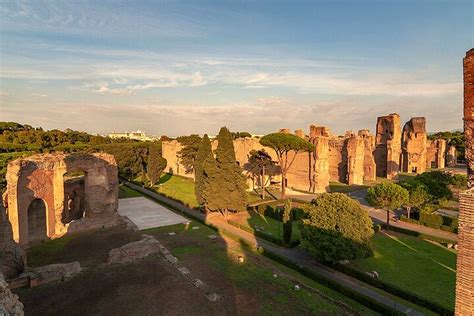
x=153 y=166
x=208 y=184
x=287 y=222
x=230 y=183
x=204 y=151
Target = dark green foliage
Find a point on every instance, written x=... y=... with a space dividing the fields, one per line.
x=155 y=164
x=417 y=194
x=459 y=181
x=259 y=165
x=437 y=183
x=205 y=151
x=336 y=228
x=287 y=222
x=230 y=182
x=188 y=154
x=282 y=144
x=387 y=196
x=236 y=135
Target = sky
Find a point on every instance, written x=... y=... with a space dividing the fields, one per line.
x=181 y=67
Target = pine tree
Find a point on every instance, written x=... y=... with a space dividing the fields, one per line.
x=230 y=183
x=204 y=151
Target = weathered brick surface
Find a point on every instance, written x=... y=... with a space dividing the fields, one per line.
x=388 y=146
x=465 y=257
x=414 y=146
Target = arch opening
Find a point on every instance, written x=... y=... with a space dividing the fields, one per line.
x=74 y=196
x=37 y=226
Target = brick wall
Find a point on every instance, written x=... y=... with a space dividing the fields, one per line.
x=465 y=258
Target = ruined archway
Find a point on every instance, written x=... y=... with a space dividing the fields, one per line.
x=79 y=190
x=37 y=221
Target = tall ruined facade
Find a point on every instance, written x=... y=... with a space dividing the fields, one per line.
x=465 y=257
x=414 y=146
x=388 y=148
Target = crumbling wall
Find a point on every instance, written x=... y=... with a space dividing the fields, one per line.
x=465 y=259
x=337 y=158
x=355 y=160
x=414 y=146
x=9 y=302
x=451 y=156
x=436 y=154
x=388 y=146
x=170 y=150
x=41 y=178
x=319 y=165
x=369 y=161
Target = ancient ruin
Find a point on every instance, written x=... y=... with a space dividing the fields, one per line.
x=352 y=158
x=414 y=141
x=465 y=257
x=388 y=146
x=50 y=195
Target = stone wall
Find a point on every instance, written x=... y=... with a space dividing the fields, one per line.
x=465 y=257
x=388 y=149
x=40 y=178
x=436 y=153
x=451 y=156
x=414 y=146
x=9 y=302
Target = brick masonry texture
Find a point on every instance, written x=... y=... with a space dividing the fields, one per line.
x=465 y=258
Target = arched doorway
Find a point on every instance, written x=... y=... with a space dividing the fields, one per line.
x=37 y=228
x=74 y=195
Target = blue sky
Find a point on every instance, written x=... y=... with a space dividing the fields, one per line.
x=190 y=67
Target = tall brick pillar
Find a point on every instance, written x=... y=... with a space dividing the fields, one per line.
x=465 y=259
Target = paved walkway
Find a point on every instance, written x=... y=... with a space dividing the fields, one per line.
x=295 y=255
x=146 y=213
x=379 y=216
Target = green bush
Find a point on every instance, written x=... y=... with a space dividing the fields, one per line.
x=437 y=183
x=337 y=228
x=459 y=181
x=431 y=220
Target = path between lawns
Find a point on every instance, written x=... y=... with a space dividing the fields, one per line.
x=295 y=255
x=380 y=216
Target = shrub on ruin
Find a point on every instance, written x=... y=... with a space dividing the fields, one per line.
x=336 y=228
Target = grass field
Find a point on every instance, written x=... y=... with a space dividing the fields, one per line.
x=414 y=265
x=152 y=286
x=182 y=189
x=270 y=225
x=345 y=188
x=126 y=192
x=270 y=296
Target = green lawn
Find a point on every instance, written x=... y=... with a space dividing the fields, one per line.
x=415 y=265
x=270 y=225
x=345 y=188
x=254 y=277
x=126 y=192
x=178 y=188
x=182 y=189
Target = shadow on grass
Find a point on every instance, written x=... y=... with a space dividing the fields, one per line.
x=165 y=178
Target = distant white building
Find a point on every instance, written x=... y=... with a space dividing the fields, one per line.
x=137 y=135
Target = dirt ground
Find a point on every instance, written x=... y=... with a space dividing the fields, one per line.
x=154 y=286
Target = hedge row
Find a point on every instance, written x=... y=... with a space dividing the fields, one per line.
x=435 y=307
x=434 y=221
x=264 y=235
x=274 y=209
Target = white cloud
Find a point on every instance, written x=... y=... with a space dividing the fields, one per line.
x=4 y=93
